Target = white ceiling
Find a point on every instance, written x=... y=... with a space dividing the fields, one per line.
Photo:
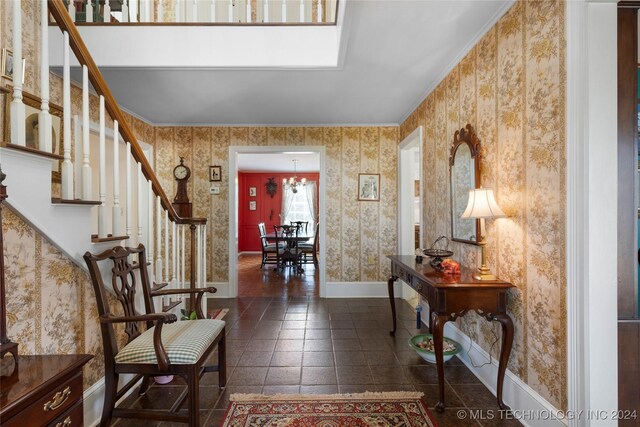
x=397 y=51
x=278 y=162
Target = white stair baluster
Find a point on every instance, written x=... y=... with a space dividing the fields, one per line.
x=67 y=165
x=204 y=255
x=125 y=11
x=249 y=11
x=44 y=118
x=178 y=273
x=284 y=10
x=301 y=10
x=141 y=202
x=265 y=10
x=129 y=189
x=194 y=17
x=71 y=8
x=160 y=11
x=102 y=176
x=106 y=12
x=319 y=18
x=230 y=11
x=213 y=10
x=178 y=10
x=183 y=257
x=89 y=11
x=87 y=188
x=115 y=216
x=150 y=222
x=158 y=269
x=166 y=246
x=198 y=255
x=174 y=253
x=17 y=106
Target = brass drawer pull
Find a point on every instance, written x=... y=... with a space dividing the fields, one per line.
x=65 y=423
x=58 y=399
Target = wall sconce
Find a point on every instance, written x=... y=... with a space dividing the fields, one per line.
x=482 y=204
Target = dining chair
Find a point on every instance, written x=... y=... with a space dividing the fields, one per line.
x=288 y=251
x=311 y=248
x=164 y=347
x=269 y=251
x=301 y=225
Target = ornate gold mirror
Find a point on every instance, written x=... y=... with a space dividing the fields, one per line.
x=464 y=175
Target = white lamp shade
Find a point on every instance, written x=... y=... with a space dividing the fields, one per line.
x=482 y=204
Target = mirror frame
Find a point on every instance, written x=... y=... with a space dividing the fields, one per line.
x=466 y=135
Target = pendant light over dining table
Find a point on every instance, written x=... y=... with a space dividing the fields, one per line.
x=293 y=181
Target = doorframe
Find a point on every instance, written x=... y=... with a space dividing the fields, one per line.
x=408 y=143
x=234 y=150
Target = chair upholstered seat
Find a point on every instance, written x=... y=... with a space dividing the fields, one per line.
x=184 y=341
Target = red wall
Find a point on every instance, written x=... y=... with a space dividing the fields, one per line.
x=267 y=208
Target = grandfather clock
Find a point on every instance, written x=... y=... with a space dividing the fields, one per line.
x=181 y=202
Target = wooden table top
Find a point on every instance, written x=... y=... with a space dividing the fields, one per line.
x=299 y=237
x=440 y=280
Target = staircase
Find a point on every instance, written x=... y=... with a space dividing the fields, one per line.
x=106 y=199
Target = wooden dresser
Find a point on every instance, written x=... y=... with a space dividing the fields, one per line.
x=47 y=391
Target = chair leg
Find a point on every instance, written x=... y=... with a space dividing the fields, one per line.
x=222 y=361
x=110 y=391
x=194 y=397
x=145 y=385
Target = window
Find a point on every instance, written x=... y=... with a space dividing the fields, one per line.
x=299 y=210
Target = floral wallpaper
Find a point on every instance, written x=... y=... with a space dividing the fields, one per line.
x=361 y=233
x=510 y=88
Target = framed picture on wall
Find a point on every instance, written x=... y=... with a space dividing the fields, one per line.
x=253 y=191
x=253 y=205
x=7 y=64
x=369 y=187
x=215 y=173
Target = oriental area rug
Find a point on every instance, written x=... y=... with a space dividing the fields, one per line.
x=329 y=410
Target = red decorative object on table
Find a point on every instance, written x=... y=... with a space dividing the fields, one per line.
x=450 y=266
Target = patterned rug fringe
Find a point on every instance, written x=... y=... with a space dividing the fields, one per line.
x=245 y=397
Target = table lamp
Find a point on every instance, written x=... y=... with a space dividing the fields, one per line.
x=482 y=204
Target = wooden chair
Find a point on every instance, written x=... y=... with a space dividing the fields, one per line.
x=166 y=347
x=287 y=248
x=311 y=248
x=302 y=225
x=269 y=251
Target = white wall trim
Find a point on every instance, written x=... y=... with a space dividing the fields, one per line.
x=361 y=289
x=591 y=214
x=234 y=150
x=516 y=394
x=447 y=69
x=93 y=399
x=409 y=142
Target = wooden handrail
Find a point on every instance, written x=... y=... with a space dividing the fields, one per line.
x=65 y=23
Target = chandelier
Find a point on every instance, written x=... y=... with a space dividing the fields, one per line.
x=293 y=181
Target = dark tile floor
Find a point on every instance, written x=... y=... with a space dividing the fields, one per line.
x=312 y=345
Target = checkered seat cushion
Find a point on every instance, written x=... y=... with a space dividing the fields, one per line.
x=184 y=342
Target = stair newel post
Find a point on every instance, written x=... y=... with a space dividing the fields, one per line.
x=102 y=175
x=17 y=108
x=116 y=181
x=125 y=11
x=128 y=190
x=71 y=8
x=192 y=269
x=174 y=253
x=140 y=216
x=158 y=269
x=89 y=11
x=6 y=345
x=183 y=257
x=166 y=246
x=150 y=239
x=106 y=11
x=44 y=119
x=67 y=165
x=87 y=188
x=213 y=10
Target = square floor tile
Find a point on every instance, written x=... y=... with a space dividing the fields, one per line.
x=283 y=376
x=318 y=375
x=286 y=358
x=317 y=358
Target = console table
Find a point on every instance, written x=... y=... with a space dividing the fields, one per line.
x=46 y=390
x=450 y=297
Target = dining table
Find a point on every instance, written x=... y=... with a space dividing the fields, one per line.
x=292 y=241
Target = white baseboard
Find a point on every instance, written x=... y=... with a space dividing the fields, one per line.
x=94 y=400
x=360 y=290
x=529 y=407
